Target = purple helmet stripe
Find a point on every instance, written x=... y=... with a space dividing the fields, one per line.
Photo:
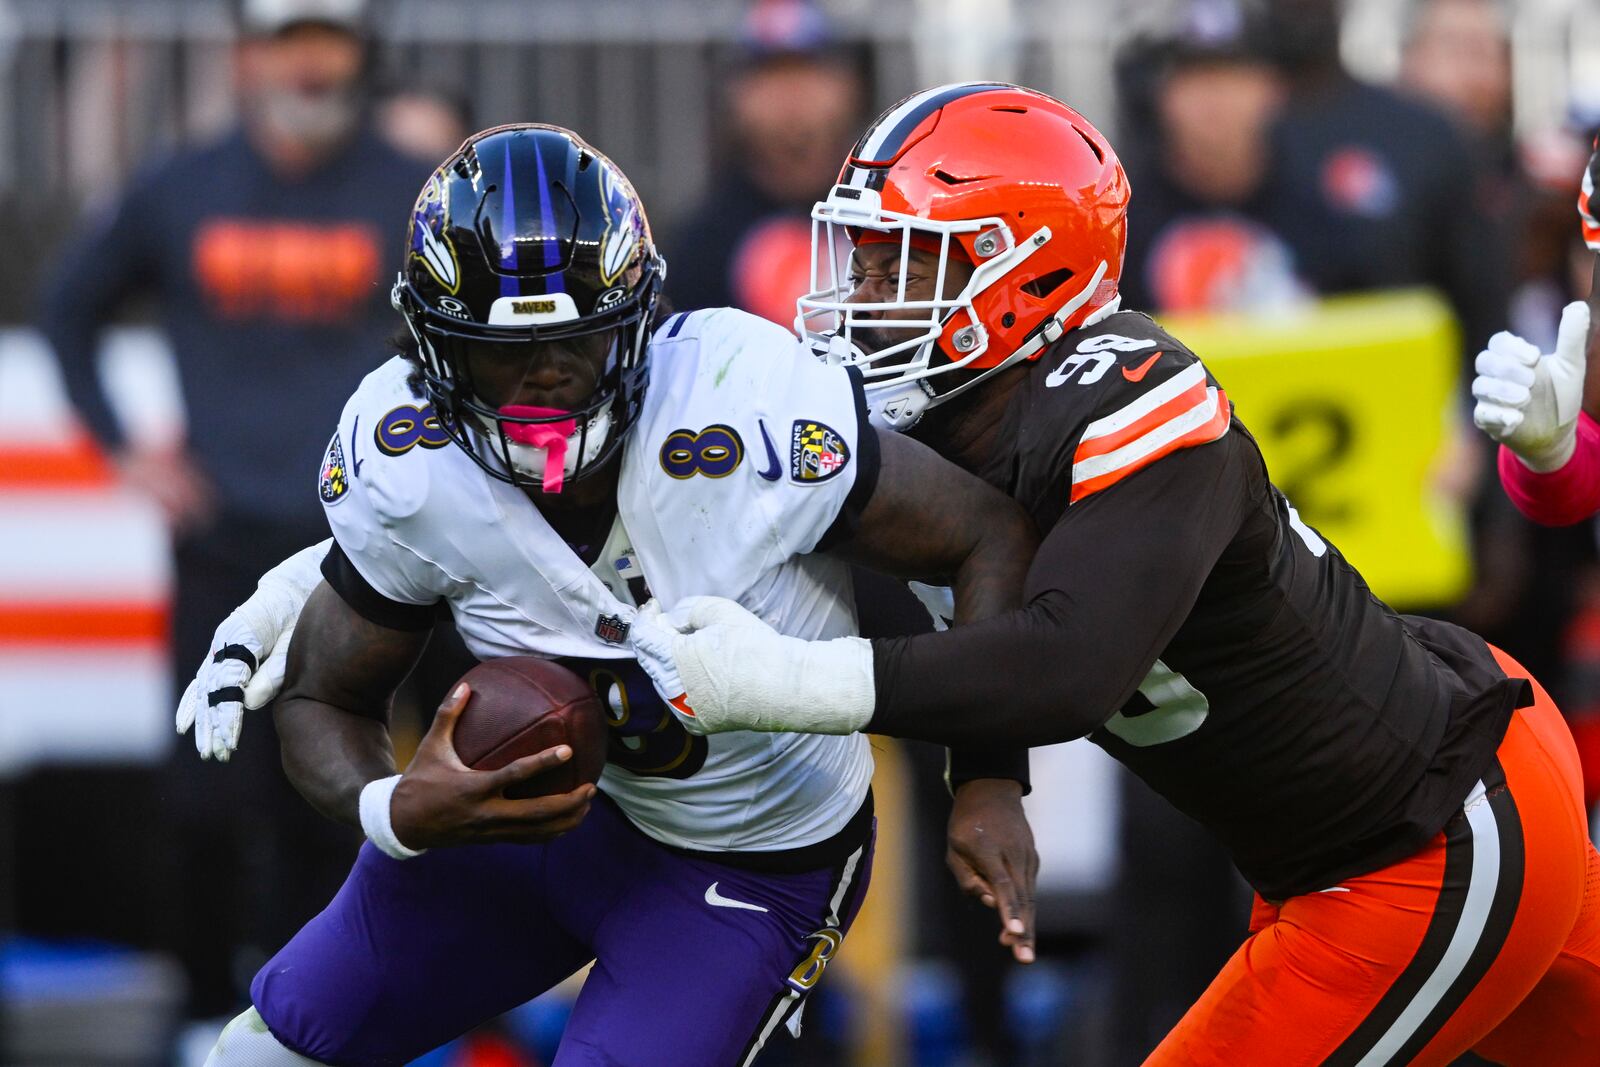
x=547 y=225
x=508 y=227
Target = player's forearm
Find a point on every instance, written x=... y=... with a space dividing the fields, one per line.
x=1013 y=680
x=333 y=715
x=1107 y=590
x=80 y=297
x=74 y=337
x=329 y=755
x=989 y=579
x=1566 y=495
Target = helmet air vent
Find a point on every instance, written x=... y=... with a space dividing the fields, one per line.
x=1045 y=284
x=1098 y=154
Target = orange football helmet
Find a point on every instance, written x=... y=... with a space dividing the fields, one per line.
x=1012 y=180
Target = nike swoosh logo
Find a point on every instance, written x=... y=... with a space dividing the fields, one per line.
x=355 y=442
x=1136 y=374
x=773 y=471
x=717 y=900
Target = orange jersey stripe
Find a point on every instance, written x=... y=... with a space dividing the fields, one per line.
x=1205 y=433
x=36 y=623
x=1178 y=405
x=1587 y=221
x=1589 y=226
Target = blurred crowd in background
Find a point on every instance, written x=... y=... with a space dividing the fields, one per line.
x=206 y=203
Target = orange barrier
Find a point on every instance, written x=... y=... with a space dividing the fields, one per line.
x=62 y=623
x=71 y=465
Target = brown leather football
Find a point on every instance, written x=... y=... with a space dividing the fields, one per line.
x=521 y=705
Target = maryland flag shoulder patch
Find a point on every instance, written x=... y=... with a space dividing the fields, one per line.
x=334 y=483
x=816 y=452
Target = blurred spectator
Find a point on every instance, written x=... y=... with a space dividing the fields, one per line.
x=1392 y=194
x=1204 y=234
x=1456 y=57
x=427 y=125
x=1553 y=265
x=792 y=105
x=1457 y=54
x=266 y=255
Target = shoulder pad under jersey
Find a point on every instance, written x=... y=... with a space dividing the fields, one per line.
x=1109 y=399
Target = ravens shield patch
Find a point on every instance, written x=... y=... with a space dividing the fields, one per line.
x=816 y=452
x=334 y=482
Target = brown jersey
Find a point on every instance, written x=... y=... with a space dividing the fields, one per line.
x=1182 y=616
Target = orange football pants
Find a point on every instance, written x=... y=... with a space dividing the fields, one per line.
x=1486 y=940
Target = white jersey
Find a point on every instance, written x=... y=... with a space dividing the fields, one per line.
x=745 y=455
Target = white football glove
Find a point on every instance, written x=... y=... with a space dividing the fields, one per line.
x=1529 y=402
x=248 y=653
x=721 y=668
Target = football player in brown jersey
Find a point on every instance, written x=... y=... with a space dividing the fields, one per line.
x=1404 y=798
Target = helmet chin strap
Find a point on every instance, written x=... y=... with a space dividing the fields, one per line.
x=895 y=406
x=899 y=406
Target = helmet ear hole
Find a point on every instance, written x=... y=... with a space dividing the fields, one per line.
x=1045 y=284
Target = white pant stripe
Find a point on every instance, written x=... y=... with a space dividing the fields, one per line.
x=846 y=880
x=773 y=1019
x=1481 y=885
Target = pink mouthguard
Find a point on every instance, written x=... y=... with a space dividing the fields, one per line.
x=550 y=436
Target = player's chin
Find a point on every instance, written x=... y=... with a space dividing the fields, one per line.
x=872 y=340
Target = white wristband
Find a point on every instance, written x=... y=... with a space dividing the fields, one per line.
x=376 y=797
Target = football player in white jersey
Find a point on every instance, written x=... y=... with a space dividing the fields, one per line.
x=547 y=459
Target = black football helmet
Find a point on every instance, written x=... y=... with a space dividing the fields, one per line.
x=527 y=236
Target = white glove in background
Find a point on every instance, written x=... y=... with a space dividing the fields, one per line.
x=737 y=673
x=249 y=651
x=1529 y=402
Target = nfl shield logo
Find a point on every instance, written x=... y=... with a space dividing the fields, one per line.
x=611 y=628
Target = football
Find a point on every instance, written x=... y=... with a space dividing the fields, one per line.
x=521 y=705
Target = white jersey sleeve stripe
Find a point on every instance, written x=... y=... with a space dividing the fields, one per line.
x=1173 y=387
x=1148 y=442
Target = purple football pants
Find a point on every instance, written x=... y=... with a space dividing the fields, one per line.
x=411 y=954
